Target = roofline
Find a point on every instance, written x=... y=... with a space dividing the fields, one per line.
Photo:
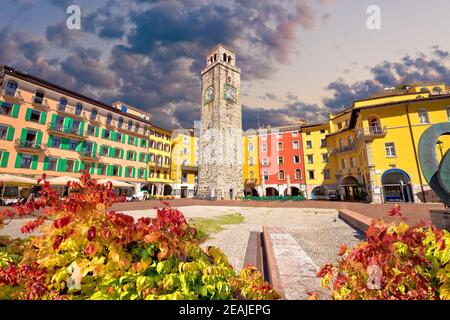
x=4 y=69
x=316 y=125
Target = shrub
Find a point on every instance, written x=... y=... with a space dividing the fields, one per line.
x=85 y=251
x=395 y=262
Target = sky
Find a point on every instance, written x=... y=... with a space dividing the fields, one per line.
x=299 y=59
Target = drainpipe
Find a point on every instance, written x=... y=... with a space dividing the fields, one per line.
x=415 y=153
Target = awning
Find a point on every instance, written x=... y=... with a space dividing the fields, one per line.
x=17 y=181
x=62 y=181
x=115 y=183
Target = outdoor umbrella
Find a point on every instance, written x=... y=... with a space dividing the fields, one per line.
x=17 y=181
x=62 y=181
x=115 y=183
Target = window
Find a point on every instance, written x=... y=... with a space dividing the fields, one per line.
x=158 y=173
x=56 y=142
x=94 y=113
x=90 y=130
x=281 y=175
x=130 y=155
x=390 y=149
x=310 y=159
x=136 y=127
x=341 y=144
x=6 y=108
x=325 y=157
x=296 y=159
x=118 y=137
x=350 y=141
x=39 y=97
x=117 y=152
x=280 y=146
x=166 y=148
x=343 y=163
x=151 y=157
x=3 y=132
x=11 y=88
x=264 y=147
x=131 y=140
x=280 y=160
x=298 y=174
x=295 y=145
x=73 y=145
x=279 y=135
x=102 y=169
x=120 y=122
x=62 y=104
x=264 y=161
x=130 y=125
x=250 y=161
x=142 y=157
x=250 y=147
x=339 y=125
x=347 y=122
x=423 y=116
x=105 y=151
x=78 y=109
x=70 y=165
x=26 y=161
x=109 y=118
x=35 y=116
x=166 y=161
x=51 y=165
x=308 y=144
x=185 y=151
x=311 y=174
x=30 y=138
x=323 y=143
x=266 y=176
x=151 y=173
x=352 y=162
x=75 y=126
x=115 y=171
x=323 y=131
x=129 y=171
x=295 y=133
x=308 y=133
x=106 y=134
x=326 y=174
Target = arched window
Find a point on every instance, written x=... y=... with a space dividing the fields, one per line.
x=62 y=104
x=229 y=59
x=298 y=174
x=39 y=97
x=109 y=118
x=437 y=90
x=78 y=109
x=145 y=129
x=423 y=116
x=250 y=161
x=225 y=57
x=160 y=146
x=94 y=113
x=281 y=175
x=120 y=122
x=266 y=176
x=136 y=127
x=250 y=146
x=166 y=148
x=424 y=90
x=11 y=88
x=130 y=125
x=251 y=175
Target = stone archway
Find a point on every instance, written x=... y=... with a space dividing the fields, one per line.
x=295 y=192
x=397 y=186
x=167 y=190
x=271 y=192
x=351 y=189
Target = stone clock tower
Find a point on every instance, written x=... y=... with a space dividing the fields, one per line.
x=220 y=158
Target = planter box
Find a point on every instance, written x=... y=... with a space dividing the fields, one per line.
x=441 y=219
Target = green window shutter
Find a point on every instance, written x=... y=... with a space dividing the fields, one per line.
x=123 y=138
x=139 y=172
x=103 y=133
x=99 y=166
x=82 y=128
x=43 y=118
x=136 y=142
x=5 y=157
x=65 y=143
x=81 y=166
x=94 y=148
x=50 y=141
x=92 y=171
x=111 y=152
x=15 y=111
x=46 y=163
x=121 y=154
x=129 y=140
x=28 y=114
x=34 y=162
x=133 y=172
x=101 y=150
x=62 y=164
x=54 y=116
x=134 y=155
x=113 y=136
x=76 y=166
x=109 y=170
x=10 y=135
x=79 y=146
x=97 y=129
x=66 y=123
x=23 y=135
x=147 y=156
x=126 y=172
x=120 y=171
x=18 y=161
x=145 y=173
x=38 y=138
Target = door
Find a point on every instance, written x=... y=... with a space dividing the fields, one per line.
x=184 y=192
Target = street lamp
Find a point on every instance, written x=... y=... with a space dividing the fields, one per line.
x=440 y=143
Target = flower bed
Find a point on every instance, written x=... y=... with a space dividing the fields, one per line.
x=89 y=252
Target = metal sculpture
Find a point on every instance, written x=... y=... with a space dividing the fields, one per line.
x=437 y=174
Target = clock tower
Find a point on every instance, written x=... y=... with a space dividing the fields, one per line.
x=220 y=158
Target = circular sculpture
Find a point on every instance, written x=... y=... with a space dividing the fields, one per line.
x=437 y=174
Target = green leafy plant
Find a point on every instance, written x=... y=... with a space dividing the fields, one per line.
x=86 y=251
x=396 y=261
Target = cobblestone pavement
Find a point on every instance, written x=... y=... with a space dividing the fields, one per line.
x=318 y=231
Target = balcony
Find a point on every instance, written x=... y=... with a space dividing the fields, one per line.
x=250 y=181
x=362 y=134
x=88 y=154
x=71 y=112
x=62 y=131
x=94 y=119
x=140 y=132
x=28 y=146
x=189 y=168
x=40 y=103
x=14 y=97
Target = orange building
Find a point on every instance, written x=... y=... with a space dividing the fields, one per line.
x=47 y=128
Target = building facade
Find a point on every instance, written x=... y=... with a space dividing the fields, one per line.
x=45 y=128
x=220 y=163
x=250 y=173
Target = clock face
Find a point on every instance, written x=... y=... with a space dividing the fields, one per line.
x=209 y=94
x=230 y=93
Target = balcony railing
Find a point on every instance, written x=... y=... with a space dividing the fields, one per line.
x=56 y=128
x=14 y=95
x=40 y=103
x=28 y=145
x=250 y=181
x=89 y=154
x=71 y=112
x=362 y=133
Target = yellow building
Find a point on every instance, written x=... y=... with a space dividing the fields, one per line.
x=159 y=161
x=250 y=172
x=184 y=169
x=319 y=171
x=374 y=145
x=45 y=128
